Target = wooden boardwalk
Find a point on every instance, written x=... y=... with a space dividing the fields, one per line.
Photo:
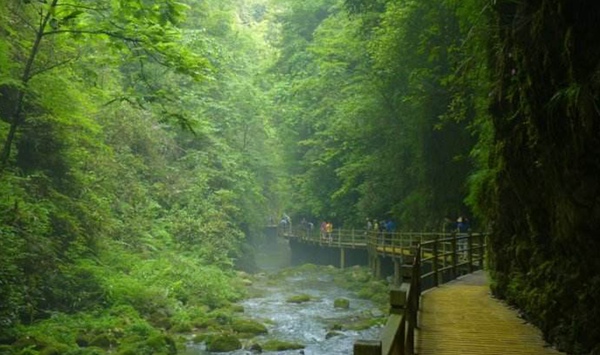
x=461 y=317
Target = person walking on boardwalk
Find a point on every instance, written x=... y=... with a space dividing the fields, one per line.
x=323 y=230
x=329 y=229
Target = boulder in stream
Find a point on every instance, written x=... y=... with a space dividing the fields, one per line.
x=280 y=345
x=224 y=343
x=299 y=298
x=341 y=303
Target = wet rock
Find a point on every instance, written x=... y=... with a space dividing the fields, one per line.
x=280 y=345
x=299 y=298
x=332 y=334
x=224 y=343
x=256 y=348
x=248 y=326
x=341 y=303
x=377 y=313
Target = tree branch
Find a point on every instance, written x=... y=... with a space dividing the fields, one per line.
x=93 y=32
x=50 y=67
x=24 y=20
x=75 y=6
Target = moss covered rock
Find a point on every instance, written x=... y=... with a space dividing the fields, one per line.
x=248 y=326
x=224 y=343
x=299 y=298
x=280 y=345
x=341 y=303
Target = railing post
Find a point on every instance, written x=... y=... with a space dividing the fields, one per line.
x=398 y=298
x=367 y=347
x=416 y=281
x=352 y=237
x=470 y=251
x=481 y=250
x=454 y=255
x=444 y=253
x=434 y=260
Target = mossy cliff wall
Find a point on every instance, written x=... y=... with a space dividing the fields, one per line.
x=544 y=199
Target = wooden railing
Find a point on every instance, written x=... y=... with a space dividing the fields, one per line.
x=438 y=260
x=338 y=237
x=358 y=238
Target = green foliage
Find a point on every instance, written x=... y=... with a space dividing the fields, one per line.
x=373 y=127
x=535 y=157
x=110 y=211
x=142 y=148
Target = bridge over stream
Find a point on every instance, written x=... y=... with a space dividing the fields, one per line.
x=440 y=301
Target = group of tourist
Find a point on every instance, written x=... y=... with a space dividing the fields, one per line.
x=460 y=225
x=381 y=226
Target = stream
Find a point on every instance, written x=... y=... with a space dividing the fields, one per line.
x=307 y=323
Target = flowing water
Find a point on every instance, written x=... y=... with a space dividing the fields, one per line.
x=306 y=323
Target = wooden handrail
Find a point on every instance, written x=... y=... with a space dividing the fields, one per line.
x=397 y=337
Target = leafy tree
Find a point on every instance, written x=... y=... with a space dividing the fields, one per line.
x=144 y=30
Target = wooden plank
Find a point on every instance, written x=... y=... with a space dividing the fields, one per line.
x=461 y=317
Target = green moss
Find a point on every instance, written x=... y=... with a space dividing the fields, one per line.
x=155 y=344
x=299 y=298
x=237 y=308
x=247 y=326
x=364 y=324
x=341 y=303
x=224 y=343
x=280 y=345
x=336 y=326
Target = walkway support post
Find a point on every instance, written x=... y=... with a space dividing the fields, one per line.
x=367 y=347
x=342 y=258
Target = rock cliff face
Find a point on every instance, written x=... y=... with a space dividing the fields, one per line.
x=544 y=199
